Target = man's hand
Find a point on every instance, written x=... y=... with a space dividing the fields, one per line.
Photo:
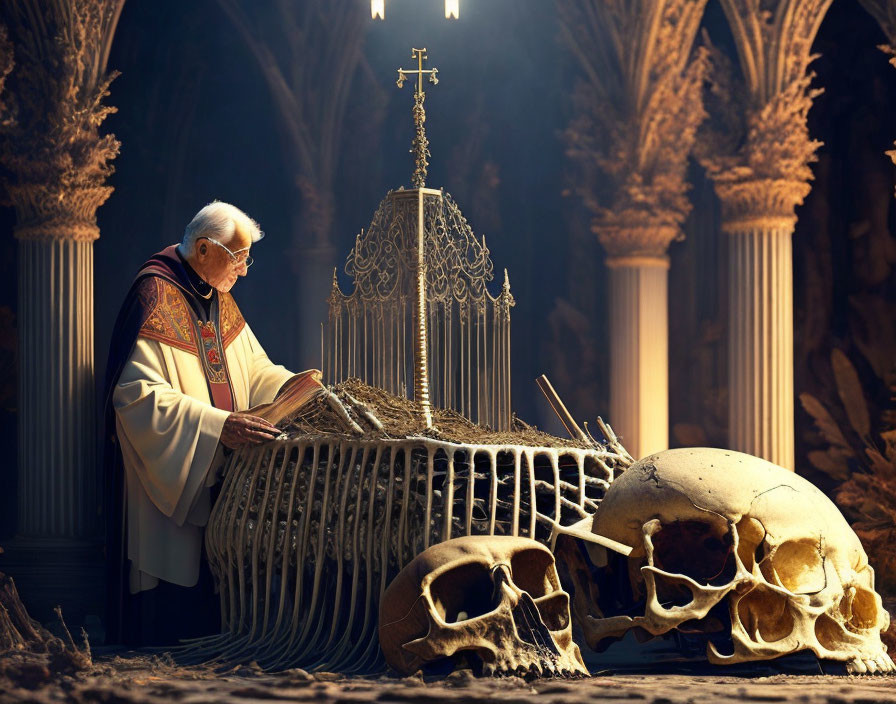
x=245 y=429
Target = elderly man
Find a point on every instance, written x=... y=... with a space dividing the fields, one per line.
x=183 y=367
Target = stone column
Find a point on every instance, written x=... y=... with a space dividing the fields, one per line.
x=637 y=108
x=57 y=428
x=757 y=218
x=759 y=156
x=56 y=556
x=760 y=340
x=760 y=317
x=639 y=355
x=58 y=164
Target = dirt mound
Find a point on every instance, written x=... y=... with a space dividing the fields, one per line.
x=381 y=414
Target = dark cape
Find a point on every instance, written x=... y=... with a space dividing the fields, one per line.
x=137 y=307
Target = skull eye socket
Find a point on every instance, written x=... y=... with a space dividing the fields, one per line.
x=764 y=616
x=859 y=609
x=797 y=566
x=702 y=551
x=463 y=593
x=533 y=572
x=554 y=611
x=751 y=548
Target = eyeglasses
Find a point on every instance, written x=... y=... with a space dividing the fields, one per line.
x=237 y=261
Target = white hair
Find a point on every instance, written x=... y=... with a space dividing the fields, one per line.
x=218 y=221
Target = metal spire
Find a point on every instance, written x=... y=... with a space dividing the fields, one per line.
x=420 y=145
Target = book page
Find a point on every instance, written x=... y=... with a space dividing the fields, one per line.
x=292 y=397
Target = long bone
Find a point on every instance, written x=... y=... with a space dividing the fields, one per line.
x=308 y=532
x=331 y=646
x=255 y=538
x=302 y=532
x=223 y=549
x=302 y=552
x=316 y=621
x=218 y=545
x=340 y=656
x=287 y=541
x=299 y=453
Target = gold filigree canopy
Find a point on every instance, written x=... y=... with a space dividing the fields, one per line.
x=457 y=264
x=420 y=311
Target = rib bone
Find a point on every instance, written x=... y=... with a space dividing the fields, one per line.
x=308 y=531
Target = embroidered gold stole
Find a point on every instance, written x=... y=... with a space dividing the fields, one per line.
x=171 y=321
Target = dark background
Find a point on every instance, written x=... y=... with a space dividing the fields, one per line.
x=197 y=123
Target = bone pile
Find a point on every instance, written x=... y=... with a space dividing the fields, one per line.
x=309 y=529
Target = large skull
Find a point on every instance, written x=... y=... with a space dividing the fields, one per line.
x=498 y=598
x=744 y=552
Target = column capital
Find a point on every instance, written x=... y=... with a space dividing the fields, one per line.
x=637 y=108
x=626 y=243
x=769 y=174
x=47 y=212
x=56 y=231
x=56 y=161
x=761 y=203
x=756 y=147
x=637 y=262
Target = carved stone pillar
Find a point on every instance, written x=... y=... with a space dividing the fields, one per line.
x=57 y=426
x=759 y=160
x=58 y=165
x=639 y=352
x=758 y=218
x=760 y=333
x=637 y=108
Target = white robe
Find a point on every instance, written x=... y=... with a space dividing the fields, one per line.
x=168 y=432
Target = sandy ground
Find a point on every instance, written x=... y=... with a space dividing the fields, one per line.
x=157 y=680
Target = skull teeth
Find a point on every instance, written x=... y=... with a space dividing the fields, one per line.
x=880 y=665
x=534 y=671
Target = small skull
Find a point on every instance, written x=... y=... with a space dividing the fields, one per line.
x=495 y=597
x=744 y=553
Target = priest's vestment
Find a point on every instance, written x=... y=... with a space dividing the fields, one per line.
x=180 y=363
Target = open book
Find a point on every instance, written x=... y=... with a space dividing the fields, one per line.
x=295 y=393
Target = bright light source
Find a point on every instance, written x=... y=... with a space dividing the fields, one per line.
x=452 y=9
x=378 y=9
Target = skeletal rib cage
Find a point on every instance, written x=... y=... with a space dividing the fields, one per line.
x=308 y=531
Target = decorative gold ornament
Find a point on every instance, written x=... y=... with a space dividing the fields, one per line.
x=757 y=148
x=420 y=300
x=637 y=107
x=57 y=160
x=420 y=144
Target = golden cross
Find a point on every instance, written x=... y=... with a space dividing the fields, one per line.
x=419 y=145
x=420 y=55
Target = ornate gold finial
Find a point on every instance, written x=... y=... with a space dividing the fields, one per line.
x=420 y=145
